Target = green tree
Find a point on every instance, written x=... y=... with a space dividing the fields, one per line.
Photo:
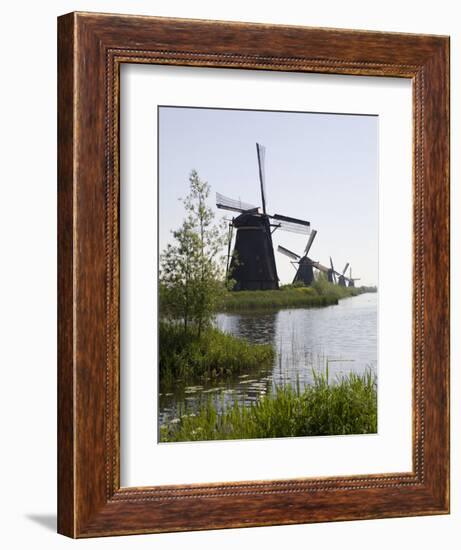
x=192 y=267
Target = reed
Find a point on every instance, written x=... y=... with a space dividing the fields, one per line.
x=347 y=405
x=184 y=356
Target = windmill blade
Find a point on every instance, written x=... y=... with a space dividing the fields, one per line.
x=344 y=270
x=352 y=278
x=310 y=241
x=320 y=267
x=333 y=271
x=229 y=244
x=288 y=253
x=226 y=203
x=294 y=225
x=261 y=152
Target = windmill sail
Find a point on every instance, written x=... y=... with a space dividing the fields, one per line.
x=351 y=279
x=288 y=253
x=261 y=152
x=293 y=225
x=236 y=205
x=342 y=278
x=320 y=267
x=229 y=244
x=309 y=242
x=331 y=273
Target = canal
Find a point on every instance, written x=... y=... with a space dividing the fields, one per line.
x=341 y=338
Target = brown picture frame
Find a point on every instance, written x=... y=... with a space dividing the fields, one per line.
x=91 y=48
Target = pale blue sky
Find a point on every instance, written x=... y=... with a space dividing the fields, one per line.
x=320 y=167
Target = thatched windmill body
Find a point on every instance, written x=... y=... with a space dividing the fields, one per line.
x=252 y=262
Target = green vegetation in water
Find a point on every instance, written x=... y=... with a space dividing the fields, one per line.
x=346 y=406
x=187 y=356
x=320 y=294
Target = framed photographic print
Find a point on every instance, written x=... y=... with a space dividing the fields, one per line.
x=253 y=275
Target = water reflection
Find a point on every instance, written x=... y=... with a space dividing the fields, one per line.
x=342 y=338
x=259 y=328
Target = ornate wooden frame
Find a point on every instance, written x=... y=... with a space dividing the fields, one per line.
x=91 y=49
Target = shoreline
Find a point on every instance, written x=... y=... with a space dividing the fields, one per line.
x=286 y=412
x=316 y=296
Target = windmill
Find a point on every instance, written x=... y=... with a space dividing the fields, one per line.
x=305 y=271
x=342 y=278
x=333 y=276
x=330 y=272
x=252 y=262
x=351 y=280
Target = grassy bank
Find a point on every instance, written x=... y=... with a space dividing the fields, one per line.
x=320 y=294
x=347 y=406
x=185 y=356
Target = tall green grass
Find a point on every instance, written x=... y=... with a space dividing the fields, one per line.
x=320 y=294
x=183 y=356
x=345 y=406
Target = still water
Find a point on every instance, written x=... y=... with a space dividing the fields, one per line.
x=341 y=337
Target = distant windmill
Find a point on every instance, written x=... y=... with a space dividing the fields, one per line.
x=304 y=271
x=333 y=276
x=351 y=280
x=342 y=277
x=330 y=272
x=252 y=263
